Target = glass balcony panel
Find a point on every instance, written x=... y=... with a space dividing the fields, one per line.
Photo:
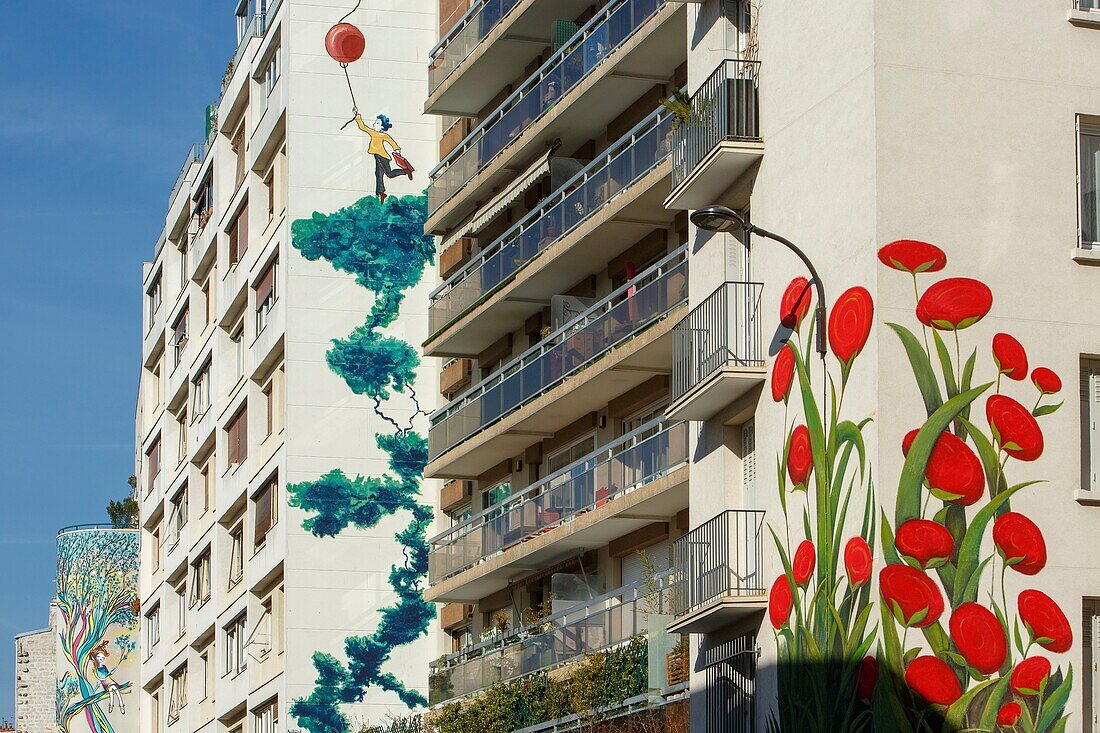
x=467 y=34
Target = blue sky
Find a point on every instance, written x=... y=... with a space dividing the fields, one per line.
x=100 y=102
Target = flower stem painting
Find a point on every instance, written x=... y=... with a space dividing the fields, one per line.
x=948 y=648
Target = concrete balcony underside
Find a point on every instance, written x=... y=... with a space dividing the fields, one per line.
x=719 y=390
x=711 y=180
x=606 y=234
x=721 y=613
x=651 y=56
x=500 y=57
x=655 y=501
x=625 y=367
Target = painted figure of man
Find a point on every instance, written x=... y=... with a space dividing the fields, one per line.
x=380 y=138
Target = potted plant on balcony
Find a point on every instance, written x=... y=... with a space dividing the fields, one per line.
x=677 y=662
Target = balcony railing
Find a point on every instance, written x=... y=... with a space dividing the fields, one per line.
x=725 y=107
x=619 y=167
x=599 y=38
x=620 y=316
x=482 y=17
x=194 y=155
x=723 y=330
x=613 y=470
x=603 y=622
x=719 y=559
x=252 y=29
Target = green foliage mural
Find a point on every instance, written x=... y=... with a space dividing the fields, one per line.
x=383 y=246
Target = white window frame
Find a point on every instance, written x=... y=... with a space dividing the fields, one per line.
x=1090 y=425
x=152 y=629
x=1090 y=128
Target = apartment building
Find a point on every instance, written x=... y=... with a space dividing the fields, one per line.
x=281 y=506
x=653 y=438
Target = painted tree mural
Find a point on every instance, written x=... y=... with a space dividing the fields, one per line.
x=955 y=651
x=384 y=247
x=97 y=605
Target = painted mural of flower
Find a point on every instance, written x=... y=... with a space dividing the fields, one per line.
x=1030 y=676
x=1010 y=357
x=858 y=561
x=979 y=637
x=912 y=597
x=1020 y=543
x=1049 y=627
x=913 y=256
x=850 y=323
x=1046 y=381
x=927 y=542
x=933 y=680
x=802 y=566
x=1009 y=714
x=780 y=601
x=800 y=460
x=954 y=473
x=782 y=374
x=795 y=303
x=867 y=678
x=1014 y=427
x=954 y=303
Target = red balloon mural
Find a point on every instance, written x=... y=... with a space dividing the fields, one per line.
x=345 y=43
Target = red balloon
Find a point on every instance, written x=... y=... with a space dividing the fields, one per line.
x=345 y=43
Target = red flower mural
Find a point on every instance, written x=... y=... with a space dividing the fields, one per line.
x=927 y=542
x=803 y=563
x=1020 y=543
x=1009 y=714
x=1014 y=427
x=858 y=561
x=933 y=680
x=780 y=601
x=1049 y=627
x=867 y=678
x=953 y=472
x=1030 y=676
x=1010 y=357
x=800 y=460
x=913 y=256
x=979 y=637
x=795 y=303
x=850 y=323
x=1046 y=381
x=911 y=596
x=954 y=304
x=782 y=374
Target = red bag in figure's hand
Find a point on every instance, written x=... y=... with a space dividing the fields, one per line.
x=403 y=164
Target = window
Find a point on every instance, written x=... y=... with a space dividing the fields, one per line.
x=239 y=144
x=200 y=392
x=259 y=643
x=1088 y=183
x=156 y=388
x=184 y=250
x=236 y=555
x=273 y=407
x=154 y=711
x=152 y=463
x=205 y=673
x=1090 y=651
x=461 y=638
x=265 y=510
x=237 y=437
x=1090 y=424
x=179 y=338
x=155 y=548
x=208 y=302
x=273 y=70
x=152 y=629
x=562 y=458
x=200 y=579
x=154 y=295
x=207 y=475
x=177 y=517
x=266 y=718
x=235 y=660
x=266 y=294
x=181 y=431
x=236 y=338
x=177 y=694
x=181 y=608
x=238 y=236
x=496 y=494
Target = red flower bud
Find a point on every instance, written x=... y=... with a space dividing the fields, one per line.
x=867 y=678
x=1049 y=627
x=800 y=459
x=910 y=595
x=803 y=564
x=927 y=542
x=1010 y=356
x=795 y=303
x=858 y=561
x=1009 y=714
x=1015 y=428
x=850 y=323
x=954 y=303
x=1046 y=381
x=780 y=601
x=953 y=471
x=979 y=637
x=912 y=255
x=1020 y=543
x=782 y=374
x=1030 y=675
x=933 y=681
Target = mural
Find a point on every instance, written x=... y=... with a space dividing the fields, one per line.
x=946 y=649
x=97 y=623
x=382 y=244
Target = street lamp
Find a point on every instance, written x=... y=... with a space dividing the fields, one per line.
x=724 y=219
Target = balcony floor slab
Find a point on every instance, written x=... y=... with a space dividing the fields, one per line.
x=716 y=392
x=715 y=174
x=719 y=614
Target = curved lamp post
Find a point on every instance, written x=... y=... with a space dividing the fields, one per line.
x=724 y=219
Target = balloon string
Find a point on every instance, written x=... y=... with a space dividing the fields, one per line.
x=354 y=106
x=350 y=12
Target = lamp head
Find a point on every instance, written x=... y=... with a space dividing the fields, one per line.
x=718 y=219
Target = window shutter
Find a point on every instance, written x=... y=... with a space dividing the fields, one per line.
x=263 y=514
x=242 y=230
x=242 y=443
x=748 y=464
x=266 y=285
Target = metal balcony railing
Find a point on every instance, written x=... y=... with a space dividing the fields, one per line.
x=723 y=330
x=575 y=201
x=718 y=559
x=725 y=107
x=588 y=627
x=194 y=155
x=592 y=45
x=615 y=469
x=471 y=29
x=252 y=29
x=620 y=316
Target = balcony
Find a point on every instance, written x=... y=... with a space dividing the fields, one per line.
x=720 y=579
x=600 y=479
x=590 y=201
x=194 y=155
x=717 y=354
x=509 y=402
x=488 y=48
x=720 y=140
x=604 y=622
x=615 y=58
